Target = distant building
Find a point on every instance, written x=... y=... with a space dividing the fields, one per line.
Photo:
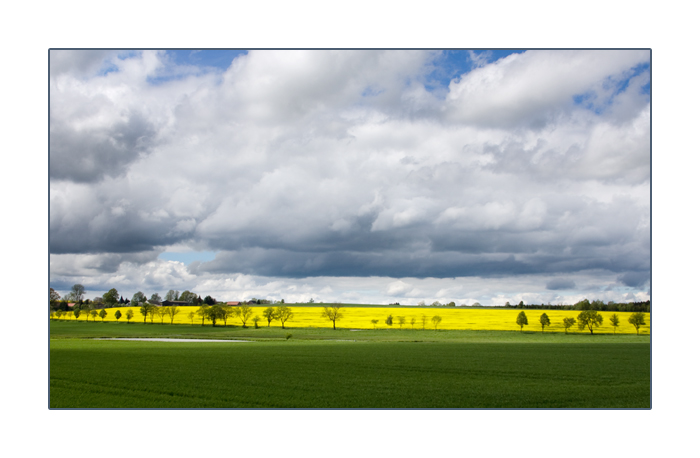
x=71 y=304
x=234 y=303
x=169 y=303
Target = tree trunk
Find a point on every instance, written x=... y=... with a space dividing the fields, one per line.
x=334 y=325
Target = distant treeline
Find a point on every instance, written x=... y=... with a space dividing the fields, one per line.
x=590 y=305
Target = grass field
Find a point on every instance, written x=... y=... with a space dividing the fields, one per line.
x=321 y=368
x=361 y=318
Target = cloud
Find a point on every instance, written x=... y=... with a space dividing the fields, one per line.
x=320 y=164
x=560 y=284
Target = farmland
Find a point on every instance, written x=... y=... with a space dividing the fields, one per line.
x=322 y=368
x=453 y=318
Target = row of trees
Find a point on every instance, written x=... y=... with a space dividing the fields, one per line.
x=587 y=319
x=112 y=299
x=585 y=304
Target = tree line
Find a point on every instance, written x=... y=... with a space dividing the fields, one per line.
x=112 y=298
x=585 y=304
x=587 y=319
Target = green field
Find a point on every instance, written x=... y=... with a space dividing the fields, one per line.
x=320 y=368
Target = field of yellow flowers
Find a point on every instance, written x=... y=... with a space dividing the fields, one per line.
x=357 y=317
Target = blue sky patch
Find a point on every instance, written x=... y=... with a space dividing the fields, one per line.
x=188 y=257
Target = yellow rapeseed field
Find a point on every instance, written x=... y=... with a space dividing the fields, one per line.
x=361 y=318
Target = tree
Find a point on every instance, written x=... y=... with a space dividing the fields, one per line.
x=521 y=320
x=423 y=320
x=103 y=314
x=582 y=305
x=451 y=304
x=137 y=299
x=188 y=297
x=436 y=304
x=76 y=313
x=59 y=314
x=244 y=312
x=284 y=313
x=117 y=315
x=413 y=321
x=203 y=312
x=568 y=322
x=155 y=299
x=145 y=309
x=130 y=315
x=389 y=320
x=544 y=321
x=78 y=291
x=209 y=300
x=401 y=320
x=171 y=311
x=111 y=297
x=93 y=314
x=589 y=319
x=374 y=322
x=436 y=320
x=214 y=313
x=421 y=303
x=333 y=313
x=615 y=322
x=54 y=297
x=269 y=314
x=161 y=312
x=191 y=316
x=256 y=320
x=172 y=295
x=637 y=320
x=153 y=311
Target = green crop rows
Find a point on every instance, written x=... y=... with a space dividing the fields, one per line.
x=360 y=373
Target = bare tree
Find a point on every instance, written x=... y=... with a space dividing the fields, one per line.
x=436 y=320
x=333 y=313
x=284 y=313
x=413 y=321
x=203 y=312
x=171 y=311
x=244 y=312
x=78 y=291
x=401 y=320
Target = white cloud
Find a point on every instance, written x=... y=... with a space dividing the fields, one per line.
x=343 y=163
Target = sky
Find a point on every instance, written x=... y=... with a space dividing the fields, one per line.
x=353 y=176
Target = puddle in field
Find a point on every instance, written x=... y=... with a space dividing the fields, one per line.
x=146 y=339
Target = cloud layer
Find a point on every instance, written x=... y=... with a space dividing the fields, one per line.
x=301 y=164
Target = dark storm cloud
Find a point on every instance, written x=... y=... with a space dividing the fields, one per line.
x=634 y=279
x=90 y=155
x=559 y=284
